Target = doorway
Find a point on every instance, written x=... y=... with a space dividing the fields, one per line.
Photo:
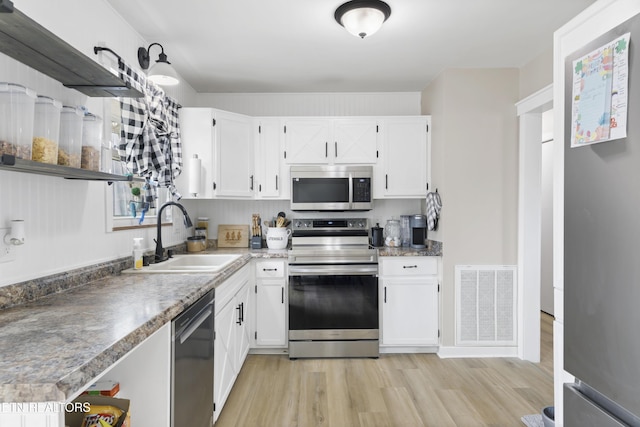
x=546 y=214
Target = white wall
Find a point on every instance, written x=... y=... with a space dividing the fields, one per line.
x=314 y=104
x=475 y=150
x=65 y=220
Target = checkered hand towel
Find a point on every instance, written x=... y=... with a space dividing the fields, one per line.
x=434 y=205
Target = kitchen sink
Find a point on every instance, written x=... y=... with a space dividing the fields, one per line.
x=200 y=263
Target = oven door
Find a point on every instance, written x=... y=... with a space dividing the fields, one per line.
x=333 y=302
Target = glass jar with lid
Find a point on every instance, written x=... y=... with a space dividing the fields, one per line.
x=392 y=233
x=16 y=120
x=70 y=136
x=46 y=130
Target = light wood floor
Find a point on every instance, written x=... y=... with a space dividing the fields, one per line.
x=395 y=390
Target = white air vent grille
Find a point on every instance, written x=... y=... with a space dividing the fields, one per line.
x=485 y=305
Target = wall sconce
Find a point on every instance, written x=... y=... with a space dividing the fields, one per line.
x=161 y=72
x=362 y=17
x=15 y=237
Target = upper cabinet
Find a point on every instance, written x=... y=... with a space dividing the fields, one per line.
x=272 y=174
x=330 y=140
x=403 y=168
x=223 y=142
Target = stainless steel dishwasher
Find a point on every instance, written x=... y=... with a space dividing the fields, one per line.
x=192 y=365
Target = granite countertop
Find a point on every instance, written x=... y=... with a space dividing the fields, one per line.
x=434 y=248
x=53 y=346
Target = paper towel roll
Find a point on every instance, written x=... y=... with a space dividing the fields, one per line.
x=195 y=166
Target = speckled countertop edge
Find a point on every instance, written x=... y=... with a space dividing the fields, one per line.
x=434 y=248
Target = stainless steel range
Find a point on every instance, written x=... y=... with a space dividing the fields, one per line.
x=333 y=289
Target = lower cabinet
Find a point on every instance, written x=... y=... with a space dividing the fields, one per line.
x=409 y=314
x=232 y=333
x=271 y=304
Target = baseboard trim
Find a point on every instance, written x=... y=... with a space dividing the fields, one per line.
x=459 y=352
x=270 y=350
x=392 y=350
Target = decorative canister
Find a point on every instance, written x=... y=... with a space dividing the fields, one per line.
x=392 y=233
x=196 y=244
x=278 y=237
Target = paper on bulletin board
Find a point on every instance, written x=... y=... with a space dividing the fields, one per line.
x=600 y=87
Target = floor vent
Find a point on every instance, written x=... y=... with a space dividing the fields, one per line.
x=486 y=305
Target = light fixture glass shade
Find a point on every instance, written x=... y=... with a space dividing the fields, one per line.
x=363 y=22
x=162 y=73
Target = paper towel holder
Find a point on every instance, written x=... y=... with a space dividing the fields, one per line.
x=195 y=166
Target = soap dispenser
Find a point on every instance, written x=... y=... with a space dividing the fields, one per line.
x=137 y=253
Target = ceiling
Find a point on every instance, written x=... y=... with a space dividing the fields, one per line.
x=249 y=46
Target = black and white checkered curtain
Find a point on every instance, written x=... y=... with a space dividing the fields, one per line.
x=150 y=136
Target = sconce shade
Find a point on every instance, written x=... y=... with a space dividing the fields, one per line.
x=362 y=18
x=161 y=72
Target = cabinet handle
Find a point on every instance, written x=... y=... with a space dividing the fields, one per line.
x=214 y=185
x=269 y=269
x=386 y=181
x=385 y=294
x=260 y=188
x=242 y=312
x=282 y=294
x=409 y=266
x=239 y=321
x=276 y=182
x=336 y=148
x=251 y=178
x=326 y=149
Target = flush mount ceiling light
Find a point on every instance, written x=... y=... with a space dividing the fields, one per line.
x=161 y=72
x=362 y=17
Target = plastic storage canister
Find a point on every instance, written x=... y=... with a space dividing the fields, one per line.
x=70 y=136
x=203 y=222
x=46 y=130
x=91 y=142
x=16 y=120
x=405 y=230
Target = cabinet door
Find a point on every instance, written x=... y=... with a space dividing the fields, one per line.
x=409 y=311
x=234 y=155
x=307 y=141
x=271 y=328
x=271 y=174
x=196 y=134
x=225 y=354
x=355 y=141
x=243 y=331
x=404 y=158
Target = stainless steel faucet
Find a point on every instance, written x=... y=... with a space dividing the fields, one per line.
x=187 y=223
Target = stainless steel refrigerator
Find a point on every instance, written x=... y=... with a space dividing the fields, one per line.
x=602 y=262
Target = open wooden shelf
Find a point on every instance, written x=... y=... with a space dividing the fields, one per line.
x=11 y=163
x=28 y=42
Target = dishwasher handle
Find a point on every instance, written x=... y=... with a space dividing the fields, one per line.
x=188 y=330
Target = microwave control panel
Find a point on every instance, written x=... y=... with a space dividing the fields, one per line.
x=361 y=190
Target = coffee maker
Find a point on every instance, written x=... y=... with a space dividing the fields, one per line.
x=418 y=227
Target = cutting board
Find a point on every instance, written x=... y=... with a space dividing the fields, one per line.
x=233 y=236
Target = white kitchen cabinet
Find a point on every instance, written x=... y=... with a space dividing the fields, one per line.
x=331 y=140
x=271 y=304
x=409 y=315
x=232 y=334
x=403 y=168
x=224 y=143
x=272 y=173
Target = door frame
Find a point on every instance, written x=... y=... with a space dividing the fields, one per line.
x=529 y=111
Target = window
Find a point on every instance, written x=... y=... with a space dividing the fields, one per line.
x=124 y=199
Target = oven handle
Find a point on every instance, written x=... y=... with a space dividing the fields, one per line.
x=333 y=270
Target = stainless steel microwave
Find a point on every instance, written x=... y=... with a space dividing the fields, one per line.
x=331 y=188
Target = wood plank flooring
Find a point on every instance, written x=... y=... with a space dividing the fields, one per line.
x=400 y=390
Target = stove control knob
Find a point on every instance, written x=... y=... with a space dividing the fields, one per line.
x=297 y=224
x=361 y=224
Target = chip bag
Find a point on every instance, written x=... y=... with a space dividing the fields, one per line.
x=109 y=414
